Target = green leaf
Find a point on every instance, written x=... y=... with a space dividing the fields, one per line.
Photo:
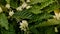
x=51 y=7
x=35 y=9
x=49 y=23
x=43 y=30
x=34 y=31
x=37 y=1
x=50 y=30
x=44 y=4
x=14 y=3
x=11 y=30
x=40 y=17
x=8 y=1
x=22 y=14
x=3 y=21
x=2 y=2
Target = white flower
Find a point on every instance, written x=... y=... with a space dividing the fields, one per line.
x=7 y=6
x=28 y=0
x=11 y=13
x=23 y=25
x=57 y=15
x=1 y=10
x=19 y=8
x=56 y=30
x=24 y=5
x=28 y=7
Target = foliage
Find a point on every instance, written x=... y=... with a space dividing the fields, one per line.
x=39 y=17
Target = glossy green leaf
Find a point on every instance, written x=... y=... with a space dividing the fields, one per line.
x=3 y=21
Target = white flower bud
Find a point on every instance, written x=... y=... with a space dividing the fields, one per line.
x=1 y=10
x=11 y=13
x=24 y=29
x=24 y=5
x=23 y=25
x=28 y=0
x=28 y=7
x=7 y=6
x=56 y=30
x=54 y=16
x=19 y=8
x=57 y=15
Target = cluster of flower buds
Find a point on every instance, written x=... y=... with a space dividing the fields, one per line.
x=57 y=14
x=23 y=25
x=11 y=13
x=24 y=5
x=7 y=6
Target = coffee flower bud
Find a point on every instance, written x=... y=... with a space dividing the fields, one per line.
x=19 y=8
x=7 y=6
x=1 y=10
x=28 y=0
x=56 y=11
x=59 y=14
x=11 y=13
x=23 y=25
x=56 y=30
x=28 y=7
x=24 y=5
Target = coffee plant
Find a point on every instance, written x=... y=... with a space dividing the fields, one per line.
x=29 y=16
